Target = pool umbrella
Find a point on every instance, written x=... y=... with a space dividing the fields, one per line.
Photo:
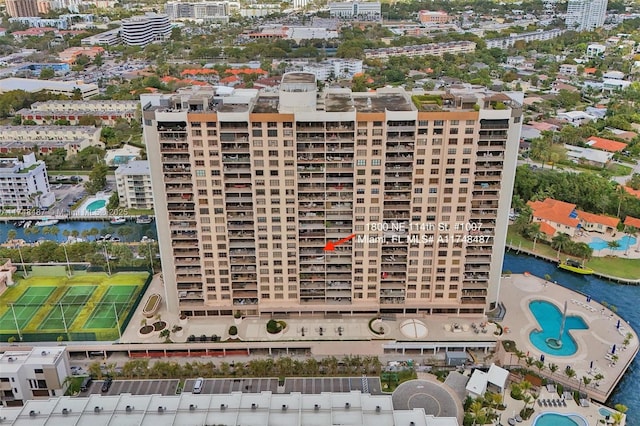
x=588 y=299
x=542 y=357
x=591 y=365
x=613 y=349
x=618 y=324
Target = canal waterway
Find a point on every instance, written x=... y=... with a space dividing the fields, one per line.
x=625 y=297
x=129 y=231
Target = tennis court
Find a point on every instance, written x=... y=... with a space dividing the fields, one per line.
x=117 y=298
x=71 y=303
x=25 y=307
x=85 y=301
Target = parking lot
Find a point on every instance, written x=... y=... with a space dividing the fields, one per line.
x=220 y=386
x=135 y=387
x=333 y=384
x=302 y=385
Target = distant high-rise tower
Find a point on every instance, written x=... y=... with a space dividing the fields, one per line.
x=22 y=8
x=585 y=15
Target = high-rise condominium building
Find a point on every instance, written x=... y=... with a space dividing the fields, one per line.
x=22 y=8
x=585 y=15
x=250 y=187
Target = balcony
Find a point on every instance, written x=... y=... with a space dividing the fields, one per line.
x=172 y=159
x=245 y=301
x=399 y=158
x=310 y=147
x=172 y=147
x=236 y=159
x=400 y=147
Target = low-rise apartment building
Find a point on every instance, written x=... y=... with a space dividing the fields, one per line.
x=133 y=181
x=107 y=112
x=24 y=184
x=66 y=88
x=433 y=49
x=38 y=373
x=24 y=139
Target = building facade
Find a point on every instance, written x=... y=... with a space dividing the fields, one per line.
x=365 y=11
x=334 y=68
x=22 y=8
x=27 y=375
x=24 y=184
x=107 y=112
x=432 y=49
x=205 y=10
x=133 y=181
x=431 y=17
x=144 y=30
x=250 y=187
x=585 y=15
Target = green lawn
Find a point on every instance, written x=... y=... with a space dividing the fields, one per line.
x=610 y=265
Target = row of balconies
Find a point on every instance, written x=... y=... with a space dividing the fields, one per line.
x=174 y=147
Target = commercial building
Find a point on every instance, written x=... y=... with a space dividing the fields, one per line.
x=20 y=8
x=205 y=11
x=133 y=181
x=432 y=49
x=363 y=11
x=24 y=184
x=26 y=375
x=250 y=186
x=107 y=112
x=236 y=408
x=430 y=17
x=107 y=38
x=67 y=88
x=585 y=15
x=144 y=30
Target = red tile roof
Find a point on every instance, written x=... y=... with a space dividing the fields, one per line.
x=547 y=229
x=634 y=192
x=605 y=144
x=632 y=221
x=596 y=218
x=554 y=211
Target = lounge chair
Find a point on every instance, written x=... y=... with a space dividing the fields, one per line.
x=564 y=403
x=544 y=402
x=518 y=418
x=511 y=421
x=539 y=403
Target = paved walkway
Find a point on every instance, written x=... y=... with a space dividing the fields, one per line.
x=594 y=344
x=433 y=396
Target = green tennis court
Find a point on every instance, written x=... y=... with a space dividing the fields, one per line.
x=115 y=299
x=71 y=303
x=85 y=301
x=25 y=307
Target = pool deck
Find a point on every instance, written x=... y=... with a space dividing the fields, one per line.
x=631 y=252
x=594 y=344
x=82 y=210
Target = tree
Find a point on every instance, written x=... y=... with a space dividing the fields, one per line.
x=114 y=201
x=11 y=234
x=617 y=418
x=553 y=368
x=47 y=73
x=561 y=241
x=613 y=245
x=97 y=178
x=569 y=372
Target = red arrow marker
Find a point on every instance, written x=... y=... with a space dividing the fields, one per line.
x=330 y=246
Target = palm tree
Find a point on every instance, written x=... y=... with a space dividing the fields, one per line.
x=621 y=408
x=529 y=361
x=527 y=399
x=570 y=372
x=66 y=233
x=477 y=410
x=597 y=378
x=553 y=368
x=613 y=245
x=519 y=354
x=631 y=232
x=525 y=385
x=539 y=365
x=617 y=418
x=586 y=380
x=561 y=241
x=12 y=234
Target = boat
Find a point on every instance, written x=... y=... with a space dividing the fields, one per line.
x=144 y=219
x=19 y=224
x=575 y=267
x=117 y=220
x=27 y=224
x=46 y=222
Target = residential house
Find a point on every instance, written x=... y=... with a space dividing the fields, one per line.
x=575 y=118
x=595 y=50
x=568 y=69
x=606 y=144
x=592 y=157
x=597 y=223
x=561 y=216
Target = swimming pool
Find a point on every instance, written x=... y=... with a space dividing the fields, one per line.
x=604 y=412
x=623 y=243
x=556 y=419
x=95 y=205
x=549 y=318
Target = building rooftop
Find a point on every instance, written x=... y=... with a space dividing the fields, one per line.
x=12 y=360
x=236 y=408
x=34 y=85
x=298 y=77
x=134 y=167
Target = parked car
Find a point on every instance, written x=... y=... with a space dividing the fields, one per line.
x=107 y=384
